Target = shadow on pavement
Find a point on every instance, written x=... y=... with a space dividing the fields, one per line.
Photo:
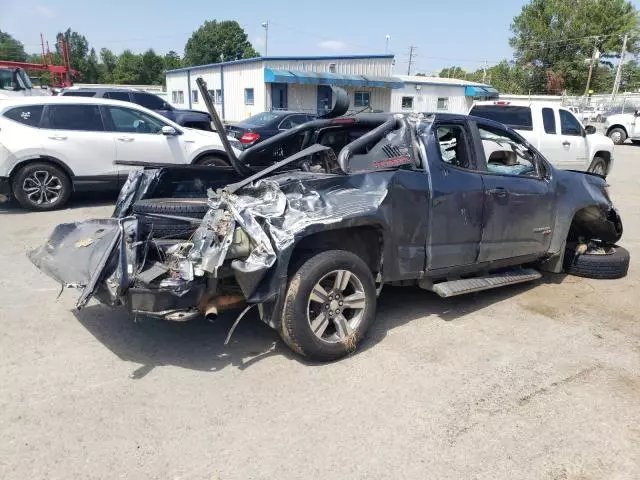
x=77 y=200
x=198 y=345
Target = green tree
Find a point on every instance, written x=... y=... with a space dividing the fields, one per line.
x=78 y=49
x=172 y=61
x=560 y=35
x=129 y=69
x=152 y=68
x=453 y=72
x=109 y=62
x=93 y=69
x=215 y=40
x=11 y=49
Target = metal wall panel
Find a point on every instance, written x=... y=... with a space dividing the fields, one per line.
x=426 y=98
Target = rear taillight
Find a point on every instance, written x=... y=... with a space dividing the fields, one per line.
x=249 y=137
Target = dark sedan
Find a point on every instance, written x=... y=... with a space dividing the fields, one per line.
x=265 y=125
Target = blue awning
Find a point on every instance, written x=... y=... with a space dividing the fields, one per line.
x=477 y=92
x=328 y=78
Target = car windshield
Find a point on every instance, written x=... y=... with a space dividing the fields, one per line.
x=261 y=119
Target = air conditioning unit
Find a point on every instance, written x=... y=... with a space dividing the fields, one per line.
x=332 y=67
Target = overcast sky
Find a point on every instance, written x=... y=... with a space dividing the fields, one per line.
x=460 y=32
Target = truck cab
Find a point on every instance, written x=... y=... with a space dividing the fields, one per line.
x=555 y=131
x=14 y=82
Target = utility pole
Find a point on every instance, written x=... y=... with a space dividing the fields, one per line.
x=616 y=83
x=411 y=55
x=594 y=57
x=265 y=25
x=386 y=43
x=484 y=72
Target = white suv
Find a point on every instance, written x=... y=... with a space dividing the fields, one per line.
x=51 y=146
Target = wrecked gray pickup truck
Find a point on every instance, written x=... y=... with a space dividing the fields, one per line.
x=451 y=203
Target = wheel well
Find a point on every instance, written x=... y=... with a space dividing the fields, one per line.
x=41 y=159
x=606 y=156
x=212 y=153
x=622 y=127
x=365 y=241
x=595 y=222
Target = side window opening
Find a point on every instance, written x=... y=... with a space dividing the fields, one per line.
x=506 y=155
x=454 y=149
x=549 y=120
x=569 y=125
x=27 y=115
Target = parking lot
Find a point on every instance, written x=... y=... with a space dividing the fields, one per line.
x=537 y=381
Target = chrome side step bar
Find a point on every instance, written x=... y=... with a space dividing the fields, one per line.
x=494 y=280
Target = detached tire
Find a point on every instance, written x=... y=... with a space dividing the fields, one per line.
x=329 y=305
x=41 y=187
x=166 y=227
x=601 y=266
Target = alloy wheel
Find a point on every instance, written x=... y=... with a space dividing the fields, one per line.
x=41 y=187
x=336 y=306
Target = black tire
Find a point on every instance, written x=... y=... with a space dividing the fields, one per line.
x=599 y=166
x=213 y=160
x=617 y=139
x=296 y=324
x=166 y=227
x=609 y=266
x=26 y=178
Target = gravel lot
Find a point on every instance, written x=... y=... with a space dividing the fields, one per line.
x=537 y=381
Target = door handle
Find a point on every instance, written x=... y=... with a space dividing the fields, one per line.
x=57 y=137
x=566 y=144
x=126 y=139
x=498 y=192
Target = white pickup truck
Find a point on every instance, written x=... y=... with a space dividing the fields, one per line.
x=14 y=83
x=555 y=132
x=621 y=126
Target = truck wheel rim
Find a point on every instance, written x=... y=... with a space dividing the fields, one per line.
x=42 y=188
x=599 y=169
x=336 y=304
x=615 y=136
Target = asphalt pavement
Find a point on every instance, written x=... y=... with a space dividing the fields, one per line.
x=537 y=381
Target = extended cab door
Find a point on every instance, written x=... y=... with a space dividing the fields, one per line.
x=568 y=148
x=457 y=194
x=519 y=201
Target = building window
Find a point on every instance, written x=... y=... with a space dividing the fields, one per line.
x=361 y=99
x=194 y=96
x=248 y=96
x=177 y=96
x=443 y=103
x=332 y=67
x=218 y=95
x=407 y=102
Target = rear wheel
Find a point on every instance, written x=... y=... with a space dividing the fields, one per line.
x=213 y=160
x=329 y=305
x=617 y=136
x=41 y=186
x=597 y=261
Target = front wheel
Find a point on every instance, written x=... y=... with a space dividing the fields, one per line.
x=329 y=305
x=41 y=186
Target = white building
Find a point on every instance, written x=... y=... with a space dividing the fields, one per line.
x=242 y=88
x=435 y=94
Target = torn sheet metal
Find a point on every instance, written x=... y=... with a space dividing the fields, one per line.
x=84 y=254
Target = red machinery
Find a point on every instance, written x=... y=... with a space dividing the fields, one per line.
x=61 y=75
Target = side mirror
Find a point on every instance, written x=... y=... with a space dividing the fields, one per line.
x=636 y=113
x=590 y=129
x=169 y=131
